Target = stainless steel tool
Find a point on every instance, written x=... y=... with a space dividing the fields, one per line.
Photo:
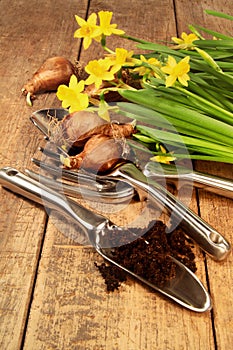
x=94 y=183
x=184 y=288
x=208 y=239
x=91 y=190
x=179 y=176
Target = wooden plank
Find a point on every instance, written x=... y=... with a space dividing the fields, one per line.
x=71 y=308
x=29 y=34
x=215 y=209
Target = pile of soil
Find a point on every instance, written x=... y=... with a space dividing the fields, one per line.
x=149 y=256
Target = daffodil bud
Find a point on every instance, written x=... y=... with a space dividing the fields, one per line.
x=208 y=59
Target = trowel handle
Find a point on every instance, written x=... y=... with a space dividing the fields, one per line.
x=19 y=183
x=211 y=241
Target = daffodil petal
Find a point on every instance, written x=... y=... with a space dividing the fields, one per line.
x=167 y=69
x=73 y=81
x=163 y=159
x=98 y=82
x=90 y=80
x=86 y=42
x=81 y=22
x=65 y=104
x=81 y=103
x=80 y=86
x=77 y=34
x=92 y=19
x=115 y=68
x=184 y=36
x=184 y=79
x=185 y=59
x=142 y=58
x=171 y=61
x=170 y=80
x=177 y=40
x=62 y=91
x=118 y=31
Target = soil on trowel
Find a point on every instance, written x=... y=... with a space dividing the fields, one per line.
x=149 y=256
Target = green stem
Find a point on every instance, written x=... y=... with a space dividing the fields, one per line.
x=160 y=120
x=205 y=157
x=103 y=44
x=108 y=50
x=219 y=14
x=204 y=93
x=195 y=31
x=129 y=37
x=185 y=141
x=221 y=113
x=147 y=98
x=209 y=157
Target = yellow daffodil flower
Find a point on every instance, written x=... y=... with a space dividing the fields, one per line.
x=163 y=159
x=142 y=70
x=99 y=71
x=186 y=41
x=88 y=31
x=177 y=71
x=120 y=58
x=105 y=26
x=72 y=96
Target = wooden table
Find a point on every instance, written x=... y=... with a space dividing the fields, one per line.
x=51 y=294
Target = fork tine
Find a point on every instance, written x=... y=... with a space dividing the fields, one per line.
x=101 y=184
x=49 y=153
x=93 y=193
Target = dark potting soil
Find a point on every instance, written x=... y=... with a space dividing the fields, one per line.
x=151 y=261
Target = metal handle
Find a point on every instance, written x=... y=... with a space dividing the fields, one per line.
x=19 y=183
x=212 y=183
x=180 y=175
x=211 y=241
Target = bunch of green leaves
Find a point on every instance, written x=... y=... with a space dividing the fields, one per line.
x=198 y=117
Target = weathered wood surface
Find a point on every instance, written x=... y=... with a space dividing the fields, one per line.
x=51 y=295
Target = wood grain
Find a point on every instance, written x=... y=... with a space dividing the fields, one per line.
x=215 y=209
x=29 y=34
x=52 y=296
